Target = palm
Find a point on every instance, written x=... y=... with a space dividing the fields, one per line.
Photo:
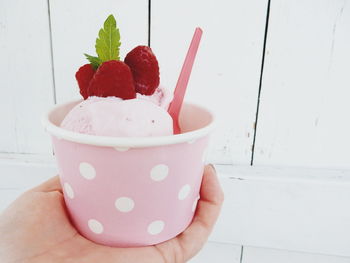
x=36 y=228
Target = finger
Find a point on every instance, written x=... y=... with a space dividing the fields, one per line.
x=211 y=191
x=208 y=210
x=53 y=184
x=211 y=199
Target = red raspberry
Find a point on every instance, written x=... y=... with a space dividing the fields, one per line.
x=84 y=76
x=113 y=78
x=145 y=70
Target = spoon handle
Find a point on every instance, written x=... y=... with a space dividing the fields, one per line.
x=179 y=94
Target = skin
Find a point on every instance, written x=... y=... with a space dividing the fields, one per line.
x=36 y=228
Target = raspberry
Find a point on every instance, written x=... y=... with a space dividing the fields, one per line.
x=145 y=70
x=84 y=76
x=112 y=78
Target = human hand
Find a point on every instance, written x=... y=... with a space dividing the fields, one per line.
x=36 y=228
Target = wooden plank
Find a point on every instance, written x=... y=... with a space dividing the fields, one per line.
x=286 y=208
x=7 y=196
x=304 y=101
x=226 y=73
x=26 y=75
x=212 y=251
x=275 y=207
x=218 y=252
x=262 y=255
x=21 y=174
x=75 y=26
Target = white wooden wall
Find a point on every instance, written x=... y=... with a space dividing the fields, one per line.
x=304 y=102
x=275 y=72
x=26 y=75
x=302 y=114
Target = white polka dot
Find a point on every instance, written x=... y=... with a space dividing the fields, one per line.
x=87 y=171
x=159 y=172
x=192 y=141
x=194 y=205
x=95 y=226
x=124 y=204
x=184 y=191
x=155 y=227
x=69 y=190
x=122 y=149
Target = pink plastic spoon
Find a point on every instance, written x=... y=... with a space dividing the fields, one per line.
x=179 y=94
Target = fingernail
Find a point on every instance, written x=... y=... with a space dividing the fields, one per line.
x=212 y=167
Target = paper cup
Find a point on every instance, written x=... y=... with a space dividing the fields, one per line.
x=127 y=191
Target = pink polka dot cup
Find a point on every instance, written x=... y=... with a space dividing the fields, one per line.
x=129 y=192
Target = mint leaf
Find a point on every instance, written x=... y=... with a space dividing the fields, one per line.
x=94 y=61
x=108 y=41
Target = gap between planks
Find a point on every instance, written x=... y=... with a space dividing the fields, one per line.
x=51 y=52
x=260 y=81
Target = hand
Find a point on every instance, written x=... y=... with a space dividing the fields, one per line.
x=36 y=228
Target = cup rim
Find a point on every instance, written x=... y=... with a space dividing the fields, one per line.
x=125 y=142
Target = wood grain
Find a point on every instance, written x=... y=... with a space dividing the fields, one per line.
x=286 y=208
x=26 y=75
x=303 y=117
x=225 y=75
x=262 y=255
x=296 y=209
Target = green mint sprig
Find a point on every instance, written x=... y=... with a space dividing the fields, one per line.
x=107 y=44
x=94 y=61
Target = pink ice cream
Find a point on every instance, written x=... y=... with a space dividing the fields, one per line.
x=140 y=117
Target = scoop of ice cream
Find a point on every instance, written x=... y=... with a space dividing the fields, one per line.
x=112 y=116
x=161 y=97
